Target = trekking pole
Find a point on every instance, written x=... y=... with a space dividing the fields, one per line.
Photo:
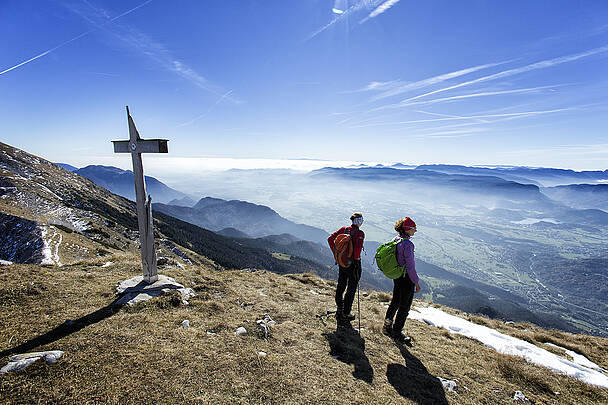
x=358 y=310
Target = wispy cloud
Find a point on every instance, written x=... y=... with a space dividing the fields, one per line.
x=73 y=39
x=219 y=100
x=378 y=86
x=468 y=96
x=149 y=48
x=470 y=117
x=379 y=10
x=431 y=81
x=511 y=72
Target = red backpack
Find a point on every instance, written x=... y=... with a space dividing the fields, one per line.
x=343 y=249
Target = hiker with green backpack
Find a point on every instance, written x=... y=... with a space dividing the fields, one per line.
x=346 y=244
x=396 y=260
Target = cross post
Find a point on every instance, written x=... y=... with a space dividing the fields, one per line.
x=136 y=146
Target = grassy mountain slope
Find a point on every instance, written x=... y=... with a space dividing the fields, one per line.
x=141 y=354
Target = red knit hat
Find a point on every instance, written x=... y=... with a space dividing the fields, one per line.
x=408 y=224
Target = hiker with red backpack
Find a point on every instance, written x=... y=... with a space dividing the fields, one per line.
x=405 y=283
x=346 y=244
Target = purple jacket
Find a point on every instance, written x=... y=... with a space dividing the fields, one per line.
x=405 y=255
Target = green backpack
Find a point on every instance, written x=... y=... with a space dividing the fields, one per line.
x=386 y=259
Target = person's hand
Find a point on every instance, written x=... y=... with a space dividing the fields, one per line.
x=417 y=287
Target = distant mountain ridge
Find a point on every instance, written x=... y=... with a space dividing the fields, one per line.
x=252 y=219
x=580 y=195
x=121 y=182
x=540 y=176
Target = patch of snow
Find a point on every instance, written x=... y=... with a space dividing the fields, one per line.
x=506 y=344
x=108 y=264
x=185 y=323
x=313 y=292
x=5 y=263
x=579 y=358
x=240 y=331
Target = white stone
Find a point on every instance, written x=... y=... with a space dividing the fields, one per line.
x=262 y=354
x=240 y=331
x=185 y=323
x=20 y=362
x=448 y=385
x=519 y=396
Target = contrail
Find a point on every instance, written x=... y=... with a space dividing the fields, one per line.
x=379 y=10
x=73 y=39
x=523 y=69
x=433 y=80
x=472 y=117
x=206 y=112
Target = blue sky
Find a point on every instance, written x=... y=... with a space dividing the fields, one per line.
x=467 y=82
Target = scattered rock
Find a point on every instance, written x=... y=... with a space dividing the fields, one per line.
x=185 y=323
x=519 y=396
x=448 y=385
x=265 y=323
x=135 y=290
x=20 y=362
x=240 y=331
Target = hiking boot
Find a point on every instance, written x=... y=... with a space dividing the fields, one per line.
x=348 y=317
x=400 y=338
x=387 y=329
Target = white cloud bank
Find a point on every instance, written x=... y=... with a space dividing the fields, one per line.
x=583 y=370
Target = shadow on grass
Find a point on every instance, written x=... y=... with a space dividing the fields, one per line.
x=348 y=346
x=65 y=329
x=414 y=382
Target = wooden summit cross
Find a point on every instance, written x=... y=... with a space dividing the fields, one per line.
x=136 y=146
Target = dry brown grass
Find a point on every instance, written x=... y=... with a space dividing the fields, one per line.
x=142 y=355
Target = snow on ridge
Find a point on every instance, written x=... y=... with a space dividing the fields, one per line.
x=506 y=344
x=578 y=358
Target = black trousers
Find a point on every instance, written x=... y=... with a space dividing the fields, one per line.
x=348 y=278
x=403 y=295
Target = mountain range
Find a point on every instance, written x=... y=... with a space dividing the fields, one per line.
x=121 y=182
x=252 y=219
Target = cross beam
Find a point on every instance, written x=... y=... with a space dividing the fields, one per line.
x=136 y=146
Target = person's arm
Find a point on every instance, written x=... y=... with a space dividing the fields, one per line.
x=410 y=263
x=358 y=244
